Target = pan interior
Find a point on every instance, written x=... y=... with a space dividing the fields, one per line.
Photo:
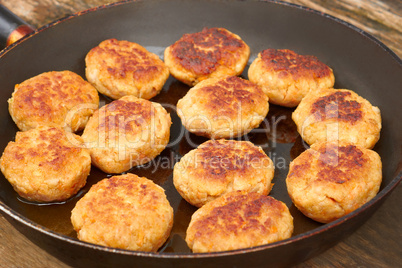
x=359 y=64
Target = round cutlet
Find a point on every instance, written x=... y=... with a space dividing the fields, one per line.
x=223 y=107
x=57 y=99
x=212 y=52
x=125 y=133
x=286 y=77
x=238 y=220
x=333 y=114
x=46 y=164
x=125 y=211
x=330 y=180
x=220 y=166
x=119 y=68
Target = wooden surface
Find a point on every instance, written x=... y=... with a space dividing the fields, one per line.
x=375 y=244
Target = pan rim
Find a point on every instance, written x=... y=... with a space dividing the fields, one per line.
x=279 y=2
x=46 y=231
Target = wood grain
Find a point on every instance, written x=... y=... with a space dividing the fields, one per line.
x=375 y=244
x=381 y=19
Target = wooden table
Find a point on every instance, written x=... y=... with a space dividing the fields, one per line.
x=375 y=244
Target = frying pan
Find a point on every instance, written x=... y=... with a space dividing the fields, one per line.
x=360 y=63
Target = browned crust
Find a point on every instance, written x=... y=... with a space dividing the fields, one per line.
x=202 y=52
x=219 y=157
x=128 y=59
x=52 y=151
x=339 y=164
x=336 y=105
x=46 y=99
x=127 y=132
x=286 y=62
x=244 y=219
x=336 y=163
x=41 y=156
x=124 y=211
x=227 y=220
x=338 y=114
x=125 y=115
x=116 y=188
x=231 y=95
x=332 y=179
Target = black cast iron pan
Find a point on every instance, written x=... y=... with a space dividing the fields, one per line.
x=360 y=63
